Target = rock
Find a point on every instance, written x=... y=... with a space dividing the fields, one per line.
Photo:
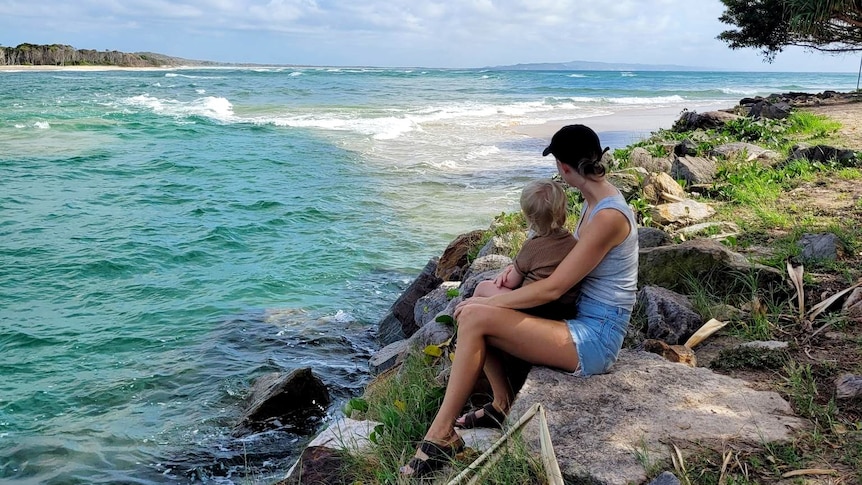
x=704 y=259
x=388 y=357
x=714 y=230
x=661 y=187
x=646 y=401
x=691 y=120
x=819 y=247
x=468 y=286
x=346 y=434
x=487 y=263
x=670 y=316
x=389 y=329
x=666 y=478
x=773 y=111
x=694 y=170
x=750 y=150
x=674 y=353
x=297 y=400
x=640 y=157
x=433 y=333
x=453 y=261
x=650 y=237
x=848 y=386
x=318 y=465
x=684 y=212
x=403 y=308
x=430 y=305
x=766 y=344
x=685 y=148
x=627 y=183
x=503 y=245
x=824 y=153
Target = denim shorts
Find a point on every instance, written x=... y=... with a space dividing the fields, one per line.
x=598 y=333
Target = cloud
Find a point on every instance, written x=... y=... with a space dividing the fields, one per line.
x=386 y=32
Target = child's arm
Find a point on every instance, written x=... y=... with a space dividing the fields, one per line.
x=509 y=278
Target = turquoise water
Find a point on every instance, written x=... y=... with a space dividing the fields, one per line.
x=168 y=236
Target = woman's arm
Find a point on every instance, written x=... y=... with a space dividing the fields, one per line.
x=607 y=229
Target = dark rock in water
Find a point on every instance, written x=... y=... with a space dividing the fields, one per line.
x=389 y=330
x=297 y=401
x=403 y=307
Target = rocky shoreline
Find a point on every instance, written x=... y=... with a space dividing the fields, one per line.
x=695 y=406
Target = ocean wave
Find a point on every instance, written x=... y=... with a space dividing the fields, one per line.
x=213 y=107
x=631 y=100
x=743 y=91
x=190 y=76
x=295 y=74
x=42 y=125
x=577 y=75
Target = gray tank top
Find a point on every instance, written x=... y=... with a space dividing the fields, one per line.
x=614 y=281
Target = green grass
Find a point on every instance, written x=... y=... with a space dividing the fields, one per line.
x=405 y=401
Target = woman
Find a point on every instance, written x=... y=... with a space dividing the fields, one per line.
x=604 y=262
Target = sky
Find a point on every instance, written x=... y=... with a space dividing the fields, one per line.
x=402 y=33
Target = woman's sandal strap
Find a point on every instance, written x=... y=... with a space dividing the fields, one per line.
x=437 y=456
x=491 y=418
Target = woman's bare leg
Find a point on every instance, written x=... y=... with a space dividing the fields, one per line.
x=535 y=340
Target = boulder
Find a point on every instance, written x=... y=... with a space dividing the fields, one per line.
x=670 y=316
x=703 y=259
x=685 y=212
x=297 y=400
x=503 y=245
x=389 y=329
x=819 y=247
x=597 y=423
x=768 y=110
x=433 y=333
x=388 y=357
x=650 y=237
x=685 y=148
x=486 y=263
x=692 y=120
x=661 y=187
x=824 y=153
x=627 y=183
x=454 y=259
x=750 y=150
x=403 y=308
x=694 y=170
x=430 y=305
x=714 y=230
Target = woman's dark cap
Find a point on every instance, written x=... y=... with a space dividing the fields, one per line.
x=574 y=144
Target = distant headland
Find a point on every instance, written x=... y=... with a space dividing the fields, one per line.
x=66 y=55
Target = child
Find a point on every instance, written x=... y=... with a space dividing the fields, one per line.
x=544 y=204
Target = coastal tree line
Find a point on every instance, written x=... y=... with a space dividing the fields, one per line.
x=66 y=55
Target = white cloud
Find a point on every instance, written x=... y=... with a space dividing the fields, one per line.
x=392 y=32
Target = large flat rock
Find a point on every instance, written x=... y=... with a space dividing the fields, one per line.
x=645 y=403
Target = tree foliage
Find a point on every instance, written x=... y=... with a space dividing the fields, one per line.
x=771 y=25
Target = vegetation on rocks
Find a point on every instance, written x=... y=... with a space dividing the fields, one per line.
x=66 y=55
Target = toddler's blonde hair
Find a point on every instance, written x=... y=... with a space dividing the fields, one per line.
x=545 y=206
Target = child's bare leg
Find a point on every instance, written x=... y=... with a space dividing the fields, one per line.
x=488 y=288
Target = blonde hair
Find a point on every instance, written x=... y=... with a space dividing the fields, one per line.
x=545 y=206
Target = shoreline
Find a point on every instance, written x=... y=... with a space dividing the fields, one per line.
x=627 y=125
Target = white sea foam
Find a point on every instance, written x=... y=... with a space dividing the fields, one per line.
x=633 y=100
x=201 y=91
x=577 y=75
x=19 y=126
x=627 y=74
x=42 y=125
x=216 y=108
x=745 y=91
x=295 y=73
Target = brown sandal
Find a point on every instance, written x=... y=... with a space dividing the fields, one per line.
x=436 y=456
x=490 y=418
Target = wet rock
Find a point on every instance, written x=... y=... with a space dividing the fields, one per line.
x=403 y=308
x=297 y=400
